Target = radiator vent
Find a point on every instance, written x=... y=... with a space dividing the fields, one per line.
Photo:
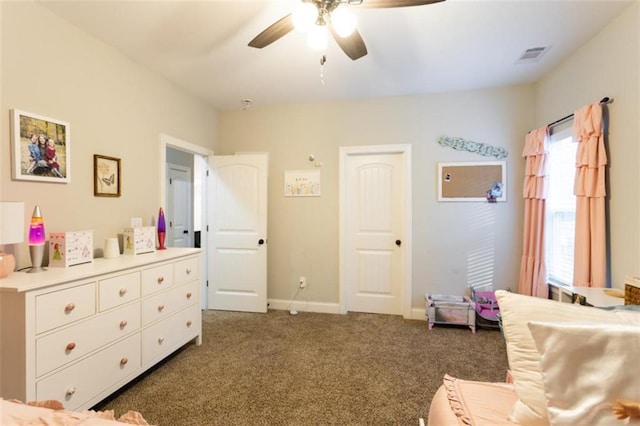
x=532 y=55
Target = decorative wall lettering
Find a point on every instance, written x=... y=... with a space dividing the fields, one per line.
x=480 y=148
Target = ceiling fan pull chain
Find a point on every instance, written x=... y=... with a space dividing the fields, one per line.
x=323 y=59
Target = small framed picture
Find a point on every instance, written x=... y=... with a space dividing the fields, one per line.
x=302 y=183
x=41 y=148
x=106 y=176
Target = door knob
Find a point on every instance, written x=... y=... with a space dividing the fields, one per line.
x=185 y=232
x=398 y=243
x=260 y=242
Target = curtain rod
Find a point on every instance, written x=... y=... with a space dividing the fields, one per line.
x=604 y=100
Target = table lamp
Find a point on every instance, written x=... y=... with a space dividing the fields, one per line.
x=11 y=232
x=36 y=241
x=162 y=229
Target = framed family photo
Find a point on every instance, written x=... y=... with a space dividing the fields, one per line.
x=41 y=148
x=106 y=176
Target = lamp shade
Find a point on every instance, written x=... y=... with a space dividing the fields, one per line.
x=11 y=222
x=318 y=37
x=304 y=16
x=343 y=21
x=36 y=228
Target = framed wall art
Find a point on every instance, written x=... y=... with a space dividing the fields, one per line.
x=41 y=148
x=106 y=176
x=471 y=181
x=302 y=183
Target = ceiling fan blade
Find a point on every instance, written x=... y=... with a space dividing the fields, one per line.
x=352 y=45
x=397 y=3
x=273 y=32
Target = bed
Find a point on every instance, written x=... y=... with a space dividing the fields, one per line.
x=568 y=365
x=52 y=413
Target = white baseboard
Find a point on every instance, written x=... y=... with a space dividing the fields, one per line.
x=304 y=306
x=326 y=308
x=418 y=314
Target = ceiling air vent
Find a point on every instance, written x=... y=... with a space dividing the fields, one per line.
x=532 y=55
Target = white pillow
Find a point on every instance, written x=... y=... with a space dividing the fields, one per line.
x=516 y=311
x=586 y=367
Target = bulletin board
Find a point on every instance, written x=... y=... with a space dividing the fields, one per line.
x=470 y=181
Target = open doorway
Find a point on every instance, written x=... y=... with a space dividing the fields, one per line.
x=180 y=209
x=188 y=163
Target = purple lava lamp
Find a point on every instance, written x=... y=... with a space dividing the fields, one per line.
x=36 y=240
x=162 y=229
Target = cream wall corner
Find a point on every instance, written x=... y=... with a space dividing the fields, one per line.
x=114 y=107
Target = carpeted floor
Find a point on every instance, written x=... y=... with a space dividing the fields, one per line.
x=310 y=369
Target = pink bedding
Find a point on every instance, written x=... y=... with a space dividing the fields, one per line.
x=51 y=413
x=463 y=402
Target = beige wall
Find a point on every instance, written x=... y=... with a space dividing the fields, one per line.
x=114 y=108
x=303 y=233
x=608 y=66
x=447 y=237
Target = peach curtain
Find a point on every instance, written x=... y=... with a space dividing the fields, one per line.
x=533 y=271
x=589 y=268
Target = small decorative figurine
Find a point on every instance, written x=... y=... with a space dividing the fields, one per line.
x=495 y=192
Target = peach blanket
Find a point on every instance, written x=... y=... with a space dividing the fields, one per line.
x=52 y=413
x=467 y=403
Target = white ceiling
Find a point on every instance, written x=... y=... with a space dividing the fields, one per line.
x=448 y=46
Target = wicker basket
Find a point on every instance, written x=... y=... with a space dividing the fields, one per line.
x=631 y=294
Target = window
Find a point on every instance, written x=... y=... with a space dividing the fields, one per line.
x=560 y=207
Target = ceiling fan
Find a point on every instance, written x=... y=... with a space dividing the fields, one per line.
x=322 y=16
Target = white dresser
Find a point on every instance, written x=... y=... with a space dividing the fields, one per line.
x=77 y=334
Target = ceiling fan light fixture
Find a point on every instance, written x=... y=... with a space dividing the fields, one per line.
x=304 y=16
x=344 y=22
x=318 y=37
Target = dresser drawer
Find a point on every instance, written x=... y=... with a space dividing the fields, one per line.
x=164 y=304
x=65 y=306
x=69 y=344
x=157 y=278
x=186 y=270
x=168 y=335
x=189 y=293
x=82 y=381
x=118 y=290
x=191 y=322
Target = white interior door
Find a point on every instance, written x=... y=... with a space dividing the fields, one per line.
x=179 y=207
x=373 y=202
x=239 y=233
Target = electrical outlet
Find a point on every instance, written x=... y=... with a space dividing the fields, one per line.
x=302 y=282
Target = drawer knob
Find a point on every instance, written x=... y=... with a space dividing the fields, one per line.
x=188 y=271
x=160 y=280
x=189 y=322
x=70 y=307
x=160 y=308
x=71 y=346
x=124 y=361
x=123 y=324
x=70 y=392
x=123 y=291
x=160 y=340
x=189 y=295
